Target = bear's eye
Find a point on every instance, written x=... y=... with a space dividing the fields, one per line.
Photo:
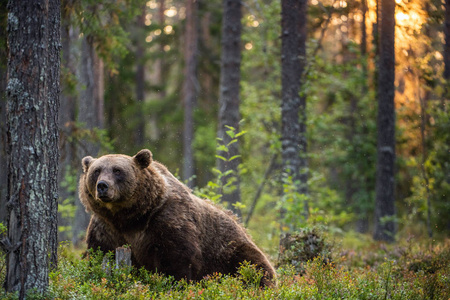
x=97 y=172
x=117 y=172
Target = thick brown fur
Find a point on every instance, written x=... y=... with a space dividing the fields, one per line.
x=169 y=229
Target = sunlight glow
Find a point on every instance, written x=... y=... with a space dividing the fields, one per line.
x=248 y=46
x=152 y=4
x=171 y=12
x=157 y=32
x=168 y=29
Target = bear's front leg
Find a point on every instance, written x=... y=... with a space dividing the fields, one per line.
x=100 y=235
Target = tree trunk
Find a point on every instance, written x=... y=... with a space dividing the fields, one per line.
x=447 y=52
x=68 y=162
x=33 y=102
x=3 y=159
x=90 y=113
x=385 y=184
x=140 y=81
x=190 y=87
x=229 y=101
x=293 y=107
x=362 y=222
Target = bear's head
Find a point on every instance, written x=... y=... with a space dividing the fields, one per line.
x=114 y=181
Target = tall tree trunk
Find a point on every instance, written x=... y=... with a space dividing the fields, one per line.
x=3 y=71
x=32 y=116
x=190 y=87
x=385 y=183
x=67 y=117
x=140 y=80
x=90 y=113
x=362 y=222
x=293 y=106
x=229 y=101
x=447 y=53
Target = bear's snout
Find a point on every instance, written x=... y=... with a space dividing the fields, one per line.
x=102 y=190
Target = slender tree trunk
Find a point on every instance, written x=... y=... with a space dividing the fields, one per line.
x=32 y=116
x=67 y=119
x=90 y=113
x=140 y=80
x=447 y=54
x=229 y=101
x=363 y=45
x=190 y=87
x=293 y=107
x=362 y=222
x=385 y=183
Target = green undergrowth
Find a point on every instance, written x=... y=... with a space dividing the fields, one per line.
x=405 y=270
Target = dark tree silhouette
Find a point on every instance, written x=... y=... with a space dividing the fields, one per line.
x=447 y=50
x=229 y=101
x=385 y=183
x=293 y=106
x=32 y=117
x=140 y=78
x=190 y=84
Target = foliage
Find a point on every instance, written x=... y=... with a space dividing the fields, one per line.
x=410 y=271
x=303 y=246
x=216 y=188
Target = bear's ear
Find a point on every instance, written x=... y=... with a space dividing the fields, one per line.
x=86 y=162
x=143 y=158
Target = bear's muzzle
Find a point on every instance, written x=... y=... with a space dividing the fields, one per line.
x=102 y=191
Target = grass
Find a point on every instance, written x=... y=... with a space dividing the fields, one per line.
x=407 y=270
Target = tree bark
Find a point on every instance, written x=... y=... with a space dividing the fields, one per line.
x=140 y=80
x=3 y=71
x=32 y=116
x=293 y=107
x=90 y=113
x=229 y=101
x=385 y=183
x=190 y=87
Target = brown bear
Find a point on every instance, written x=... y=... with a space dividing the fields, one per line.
x=138 y=202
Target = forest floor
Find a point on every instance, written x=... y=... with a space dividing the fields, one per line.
x=406 y=270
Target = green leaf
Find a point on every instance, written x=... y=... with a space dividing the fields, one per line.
x=221 y=157
x=234 y=157
x=232 y=142
x=231 y=134
x=241 y=133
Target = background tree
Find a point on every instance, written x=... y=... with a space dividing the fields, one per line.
x=385 y=183
x=446 y=51
x=190 y=87
x=229 y=101
x=293 y=107
x=90 y=108
x=69 y=164
x=33 y=102
x=140 y=79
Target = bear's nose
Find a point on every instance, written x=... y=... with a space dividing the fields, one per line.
x=102 y=188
